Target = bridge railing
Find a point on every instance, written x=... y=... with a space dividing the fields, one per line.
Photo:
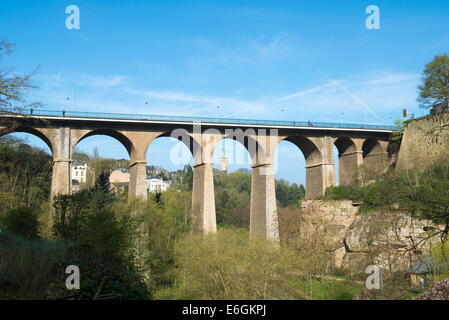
x=125 y=116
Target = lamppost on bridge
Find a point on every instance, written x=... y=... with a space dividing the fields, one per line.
x=282 y=116
x=73 y=101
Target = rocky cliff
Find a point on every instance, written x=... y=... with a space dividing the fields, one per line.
x=393 y=239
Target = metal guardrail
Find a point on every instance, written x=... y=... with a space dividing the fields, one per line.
x=124 y=116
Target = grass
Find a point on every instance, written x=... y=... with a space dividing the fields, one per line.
x=325 y=289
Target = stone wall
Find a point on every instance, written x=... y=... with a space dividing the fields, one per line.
x=424 y=142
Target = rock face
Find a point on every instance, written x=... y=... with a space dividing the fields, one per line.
x=333 y=218
x=385 y=230
x=392 y=239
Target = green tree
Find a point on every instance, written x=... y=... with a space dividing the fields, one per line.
x=25 y=174
x=102 y=244
x=80 y=156
x=232 y=198
x=282 y=191
x=434 y=89
x=184 y=179
x=22 y=221
x=165 y=222
x=295 y=194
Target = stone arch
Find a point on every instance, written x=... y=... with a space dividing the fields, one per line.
x=347 y=159
x=60 y=178
x=263 y=214
x=248 y=139
x=36 y=132
x=124 y=140
x=345 y=145
x=315 y=183
x=78 y=136
x=370 y=147
x=263 y=210
x=185 y=137
x=308 y=148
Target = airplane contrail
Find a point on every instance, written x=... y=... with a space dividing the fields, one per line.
x=351 y=95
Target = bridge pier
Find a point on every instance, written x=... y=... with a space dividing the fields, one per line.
x=375 y=155
x=203 y=199
x=318 y=178
x=320 y=170
x=61 y=181
x=263 y=212
x=378 y=162
x=137 y=180
x=347 y=163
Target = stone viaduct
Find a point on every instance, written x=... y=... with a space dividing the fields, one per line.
x=356 y=144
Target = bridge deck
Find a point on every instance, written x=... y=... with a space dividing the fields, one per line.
x=246 y=122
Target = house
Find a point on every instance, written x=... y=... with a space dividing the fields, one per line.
x=155 y=170
x=75 y=186
x=421 y=272
x=79 y=172
x=156 y=184
x=119 y=179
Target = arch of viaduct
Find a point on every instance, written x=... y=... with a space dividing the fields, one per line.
x=355 y=147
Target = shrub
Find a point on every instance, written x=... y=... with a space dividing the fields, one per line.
x=102 y=245
x=338 y=193
x=439 y=291
x=22 y=221
x=229 y=266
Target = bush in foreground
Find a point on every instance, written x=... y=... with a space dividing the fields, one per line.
x=230 y=266
x=22 y=221
x=439 y=291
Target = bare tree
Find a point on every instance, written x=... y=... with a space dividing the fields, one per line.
x=14 y=85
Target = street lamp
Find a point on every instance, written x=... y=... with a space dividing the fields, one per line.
x=282 y=116
x=341 y=118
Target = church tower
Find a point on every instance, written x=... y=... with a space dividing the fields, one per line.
x=223 y=162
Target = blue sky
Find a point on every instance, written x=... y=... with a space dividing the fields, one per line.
x=314 y=59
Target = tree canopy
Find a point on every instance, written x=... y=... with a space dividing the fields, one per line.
x=434 y=89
